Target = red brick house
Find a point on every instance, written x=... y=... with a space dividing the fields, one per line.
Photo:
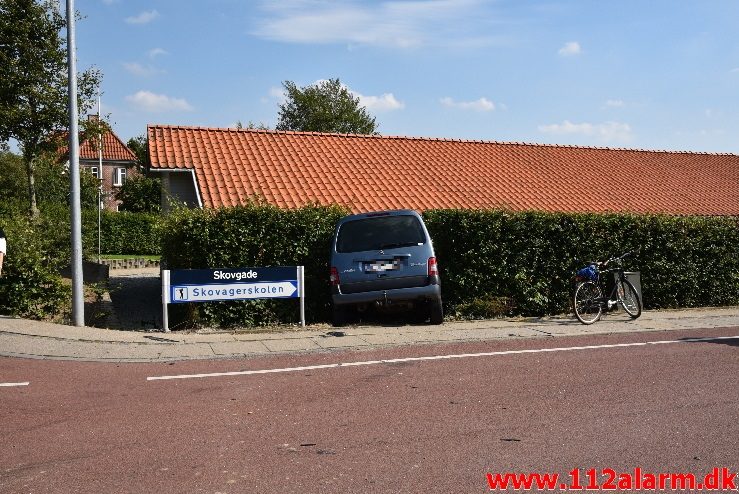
x=217 y=167
x=118 y=164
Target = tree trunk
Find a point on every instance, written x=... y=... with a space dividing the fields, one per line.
x=30 y=168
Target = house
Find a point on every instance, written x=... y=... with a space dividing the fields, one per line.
x=220 y=167
x=118 y=164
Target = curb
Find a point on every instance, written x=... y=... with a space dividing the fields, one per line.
x=34 y=339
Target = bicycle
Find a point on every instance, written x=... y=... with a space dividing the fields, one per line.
x=589 y=302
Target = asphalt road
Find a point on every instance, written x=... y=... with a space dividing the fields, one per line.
x=416 y=425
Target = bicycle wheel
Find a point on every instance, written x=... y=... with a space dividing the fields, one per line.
x=588 y=307
x=629 y=299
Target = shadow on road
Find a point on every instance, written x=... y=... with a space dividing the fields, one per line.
x=725 y=341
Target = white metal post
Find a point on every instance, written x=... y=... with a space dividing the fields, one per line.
x=165 y=300
x=301 y=293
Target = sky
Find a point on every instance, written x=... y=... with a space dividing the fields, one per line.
x=657 y=74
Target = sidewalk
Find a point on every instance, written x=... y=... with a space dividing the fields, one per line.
x=33 y=339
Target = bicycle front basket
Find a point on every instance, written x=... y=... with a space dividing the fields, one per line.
x=588 y=273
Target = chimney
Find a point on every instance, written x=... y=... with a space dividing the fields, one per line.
x=93 y=117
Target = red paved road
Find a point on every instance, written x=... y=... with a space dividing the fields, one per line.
x=430 y=426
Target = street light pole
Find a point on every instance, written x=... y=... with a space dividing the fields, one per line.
x=78 y=303
x=100 y=172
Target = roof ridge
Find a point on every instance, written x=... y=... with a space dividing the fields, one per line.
x=432 y=139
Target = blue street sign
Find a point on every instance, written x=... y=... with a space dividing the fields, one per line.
x=233 y=291
x=208 y=285
x=231 y=275
x=181 y=286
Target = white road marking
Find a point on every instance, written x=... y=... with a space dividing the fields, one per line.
x=434 y=357
x=8 y=385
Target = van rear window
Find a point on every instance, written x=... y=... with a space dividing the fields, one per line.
x=385 y=232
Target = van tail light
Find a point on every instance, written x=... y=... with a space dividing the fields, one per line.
x=334 y=276
x=433 y=268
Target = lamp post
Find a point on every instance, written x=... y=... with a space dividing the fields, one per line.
x=78 y=301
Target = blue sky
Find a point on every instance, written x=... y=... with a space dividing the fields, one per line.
x=657 y=74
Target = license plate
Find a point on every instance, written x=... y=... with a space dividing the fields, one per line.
x=379 y=266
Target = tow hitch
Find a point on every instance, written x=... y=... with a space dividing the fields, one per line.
x=384 y=302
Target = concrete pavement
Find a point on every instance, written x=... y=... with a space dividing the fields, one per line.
x=34 y=339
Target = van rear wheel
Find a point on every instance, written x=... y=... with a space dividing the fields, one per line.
x=437 y=311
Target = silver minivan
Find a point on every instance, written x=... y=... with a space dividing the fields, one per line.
x=384 y=259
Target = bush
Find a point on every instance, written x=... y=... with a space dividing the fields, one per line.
x=255 y=235
x=30 y=285
x=493 y=262
x=130 y=233
x=529 y=258
x=140 y=194
x=38 y=249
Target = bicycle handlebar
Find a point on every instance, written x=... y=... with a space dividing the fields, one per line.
x=603 y=264
x=620 y=258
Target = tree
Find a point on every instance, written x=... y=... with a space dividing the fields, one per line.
x=326 y=106
x=252 y=126
x=140 y=194
x=12 y=175
x=33 y=81
x=140 y=147
x=51 y=180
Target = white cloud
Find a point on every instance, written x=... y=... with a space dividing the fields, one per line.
x=607 y=131
x=711 y=132
x=157 y=103
x=140 y=70
x=386 y=102
x=571 y=48
x=110 y=2
x=143 y=18
x=396 y=24
x=614 y=103
x=735 y=70
x=482 y=104
x=153 y=53
x=277 y=93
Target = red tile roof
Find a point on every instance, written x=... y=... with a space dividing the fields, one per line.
x=113 y=149
x=365 y=173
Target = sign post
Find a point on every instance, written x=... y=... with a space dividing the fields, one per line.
x=208 y=285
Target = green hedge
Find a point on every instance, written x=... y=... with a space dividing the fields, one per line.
x=130 y=233
x=254 y=236
x=492 y=262
x=30 y=285
x=523 y=263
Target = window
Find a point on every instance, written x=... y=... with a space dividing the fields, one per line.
x=380 y=233
x=120 y=177
x=95 y=172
